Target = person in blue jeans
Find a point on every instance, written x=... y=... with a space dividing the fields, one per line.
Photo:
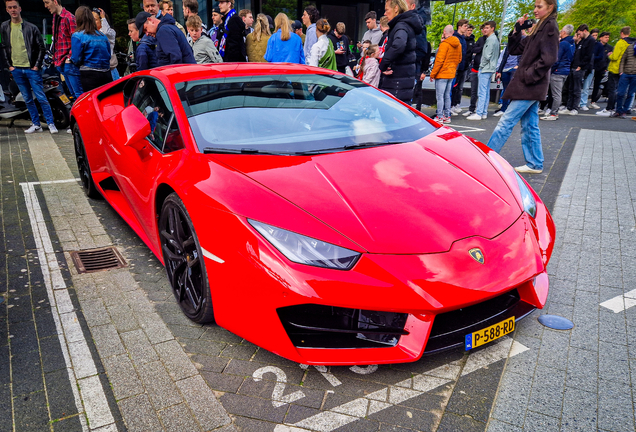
x=627 y=82
x=530 y=84
x=487 y=68
x=23 y=51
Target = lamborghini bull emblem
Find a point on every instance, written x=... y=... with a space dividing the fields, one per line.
x=477 y=255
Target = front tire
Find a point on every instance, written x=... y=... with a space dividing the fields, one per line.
x=61 y=114
x=83 y=166
x=184 y=261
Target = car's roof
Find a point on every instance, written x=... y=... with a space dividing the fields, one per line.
x=192 y=72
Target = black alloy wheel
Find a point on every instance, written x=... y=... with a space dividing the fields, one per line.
x=184 y=261
x=82 y=165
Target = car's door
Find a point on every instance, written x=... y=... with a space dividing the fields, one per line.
x=138 y=167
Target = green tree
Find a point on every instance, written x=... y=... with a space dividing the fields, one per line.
x=606 y=15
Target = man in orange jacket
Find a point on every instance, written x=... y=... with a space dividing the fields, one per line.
x=449 y=55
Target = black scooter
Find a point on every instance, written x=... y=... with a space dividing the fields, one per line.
x=13 y=107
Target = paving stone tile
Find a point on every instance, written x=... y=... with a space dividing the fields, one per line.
x=580 y=410
x=61 y=401
x=178 y=418
x=499 y=426
x=107 y=340
x=159 y=386
x=582 y=372
x=30 y=413
x=297 y=413
x=122 y=376
x=452 y=422
x=246 y=424
x=540 y=422
x=209 y=363
x=244 y=352
x=407 y=417
x=139 y=347
x=197 y=346
x=69 y=424
x=613 y=363
x=219 y=334
x=260 y=409
x=175 y=360
x=512 y=399
x=615 y=407
x=95 y=312
x=123 y=317
x=223 y=382
x=28 y=377
x=51 y=354
x=554 y=349
x=204 y=405
x=139 y=415
x=247 y=368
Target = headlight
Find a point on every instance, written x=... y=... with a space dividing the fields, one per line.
x=529 y=204
x=306 y=250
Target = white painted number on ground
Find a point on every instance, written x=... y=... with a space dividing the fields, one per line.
x=278 y=399
x=326 y=374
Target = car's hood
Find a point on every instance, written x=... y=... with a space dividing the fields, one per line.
x=408 y=198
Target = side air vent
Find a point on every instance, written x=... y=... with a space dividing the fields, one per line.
x=94 y=260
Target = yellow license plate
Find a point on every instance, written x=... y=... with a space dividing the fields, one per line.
x=64 y=99
x=482 y=337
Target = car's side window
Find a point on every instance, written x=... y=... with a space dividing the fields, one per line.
x=151 y=98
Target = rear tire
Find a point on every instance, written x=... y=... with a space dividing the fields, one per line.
x=61 y=114
x=83 y=166
x=184 y=261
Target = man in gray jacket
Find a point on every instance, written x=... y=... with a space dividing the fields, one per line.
x=487 y=67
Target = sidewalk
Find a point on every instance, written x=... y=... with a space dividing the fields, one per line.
x=581 y=379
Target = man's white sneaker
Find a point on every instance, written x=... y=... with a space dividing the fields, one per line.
x=594 y=106
x=456 y=110
x=69 y=131
x=604 y=113
x=454 y=113
x=474 y=116
x=584 y=108
x=540 y=112
x=548 y=111
x=52 y=128
x=498 y=113
x=484 y=117
x=573 y=112
x=564 y=111
x=527 y=169
x=562 y=108
x=33 y=128
x=550 y=117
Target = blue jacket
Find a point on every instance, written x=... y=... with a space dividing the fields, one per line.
x=172 y=46
x=146 y=54
x=289 y=51
x=462 y=64
x=90 y=51
x=565 y=56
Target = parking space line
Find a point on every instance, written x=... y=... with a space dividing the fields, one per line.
x=622 y=302
x=327 y=421
x=80 y=366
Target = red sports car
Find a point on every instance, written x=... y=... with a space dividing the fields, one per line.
x=314 y=215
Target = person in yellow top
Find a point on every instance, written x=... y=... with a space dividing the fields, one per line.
x=448 y=57
x=613 y=75
x=23 y=50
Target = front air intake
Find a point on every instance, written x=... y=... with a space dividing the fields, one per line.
x=318 y=326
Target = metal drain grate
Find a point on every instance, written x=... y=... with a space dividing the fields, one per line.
x=94 y=260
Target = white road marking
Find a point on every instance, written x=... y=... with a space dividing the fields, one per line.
x=466 y=128
x=212 y=256
x=80 y=366
x=621 y=302
x=327 y=421
x=278 y=400
x=51 y=182
x=325 y=373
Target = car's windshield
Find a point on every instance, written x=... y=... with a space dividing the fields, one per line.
x=295 y=114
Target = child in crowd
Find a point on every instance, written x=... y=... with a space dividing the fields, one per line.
x=202 y=46
x=370 y=66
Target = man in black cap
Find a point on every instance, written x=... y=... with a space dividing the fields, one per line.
x=216 y=31
x=297 y=27
x=146 y=54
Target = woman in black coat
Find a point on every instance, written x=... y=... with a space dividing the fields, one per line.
x=398 y=63
x=530 y=84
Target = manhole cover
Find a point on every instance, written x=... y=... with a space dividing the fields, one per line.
x=94 y=260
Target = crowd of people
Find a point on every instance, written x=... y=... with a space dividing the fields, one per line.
x=545 y=73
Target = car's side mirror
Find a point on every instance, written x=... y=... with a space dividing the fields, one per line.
x=136 y=127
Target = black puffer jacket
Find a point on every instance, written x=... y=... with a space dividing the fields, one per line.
x=400 y=55
x=33 y=43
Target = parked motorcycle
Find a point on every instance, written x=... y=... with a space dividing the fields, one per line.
x=13 y=107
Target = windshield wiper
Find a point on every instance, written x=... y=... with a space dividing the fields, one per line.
x=220 y=150
x=350 y=147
